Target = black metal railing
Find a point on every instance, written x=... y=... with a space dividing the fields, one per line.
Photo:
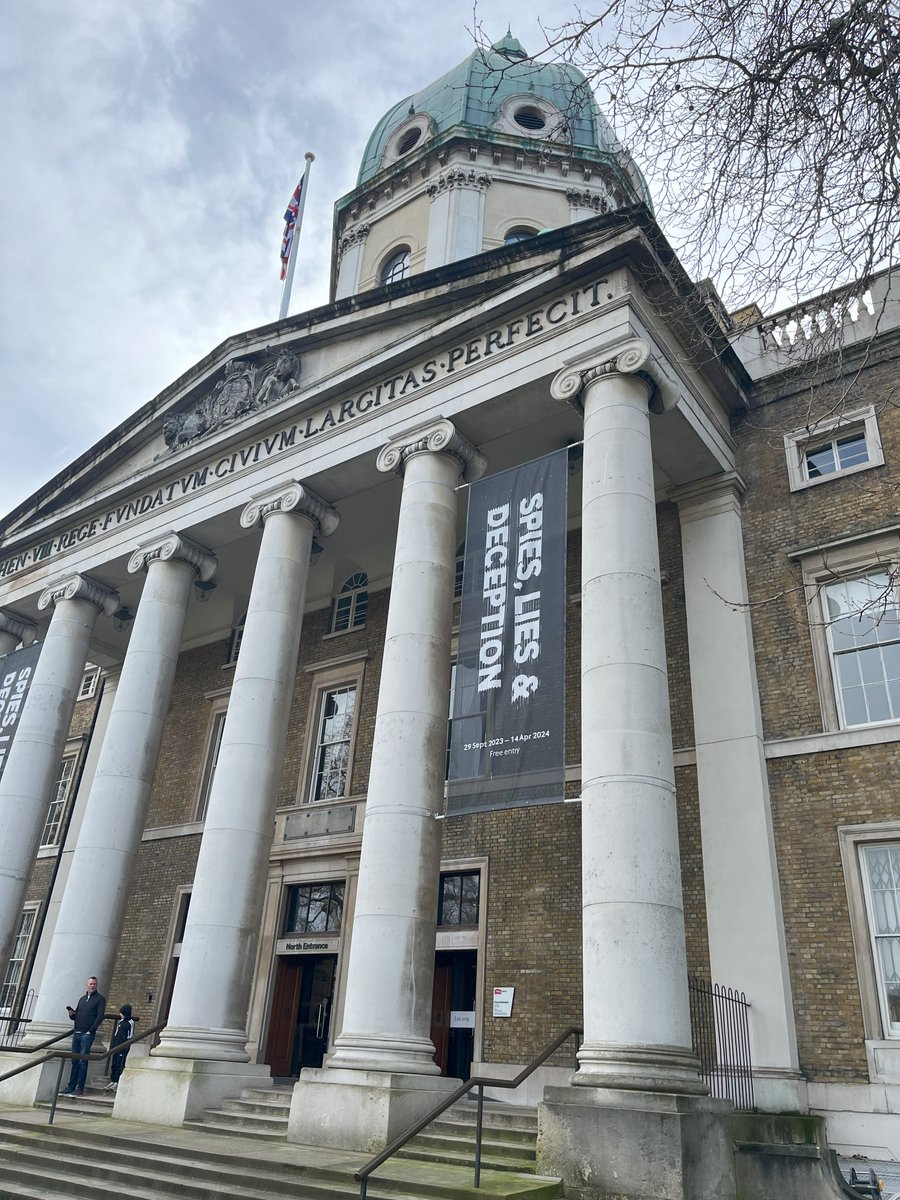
x=477 y=1081
x=14 y=1022
x=720 y=1031
x=66 y=1056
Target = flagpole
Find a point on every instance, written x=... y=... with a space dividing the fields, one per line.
x=289 y=274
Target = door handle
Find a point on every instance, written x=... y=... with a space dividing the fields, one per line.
x=321 y=1015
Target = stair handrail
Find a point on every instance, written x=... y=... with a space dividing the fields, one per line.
x=59 y=1037
x=476 y=1081
x=65 y=1056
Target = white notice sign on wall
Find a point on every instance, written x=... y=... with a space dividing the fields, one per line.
x=503 y=1001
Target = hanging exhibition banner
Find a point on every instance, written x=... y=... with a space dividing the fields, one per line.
x=16 y=674
x=507 y=732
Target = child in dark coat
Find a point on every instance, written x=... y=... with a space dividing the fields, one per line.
x=124 y=1031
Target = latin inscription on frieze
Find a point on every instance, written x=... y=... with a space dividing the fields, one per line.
x=323 y=420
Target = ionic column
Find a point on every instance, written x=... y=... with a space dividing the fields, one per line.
x=637 y=1030
x=207 y=1019
x=740 y=870
x=41 y=735
x=14 y=631
x=384 y=1054
x=90 y=917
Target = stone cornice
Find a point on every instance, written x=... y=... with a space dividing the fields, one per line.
x=17 y=626
x=173 y=547
x=80 y=587
x=292 y=497
x=438 y=437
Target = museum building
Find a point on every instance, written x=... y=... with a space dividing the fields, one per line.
x=225 y=796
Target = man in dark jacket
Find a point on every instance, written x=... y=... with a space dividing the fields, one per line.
x=87 y=1015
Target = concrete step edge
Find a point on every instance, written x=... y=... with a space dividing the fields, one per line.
x=426 y=1140
x=215 y=1130
x=465 y=1135
x=492 y=1162
x=275 y=1111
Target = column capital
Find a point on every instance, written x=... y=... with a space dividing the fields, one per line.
x=80 y=587
x=706 y=497
x=17 y=626
x=437 y=437
x=173 y=547
x=628 y=358
x=289 y=497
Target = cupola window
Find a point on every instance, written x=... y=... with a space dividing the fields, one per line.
x=411 y=138
x=520 y=233
x=396 y=267
x=529 y=117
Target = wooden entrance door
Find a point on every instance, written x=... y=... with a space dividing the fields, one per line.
x=440 y=1014
x=283 y=1018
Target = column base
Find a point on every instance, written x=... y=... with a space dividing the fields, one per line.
x=217 y=1045
x=169 y=1091
x=360 y=1110
x=650 y=1069
x=610 y=1144
x=36 y=1085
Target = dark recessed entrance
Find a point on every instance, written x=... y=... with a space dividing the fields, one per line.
x=453 y=1011
x=301 y=1013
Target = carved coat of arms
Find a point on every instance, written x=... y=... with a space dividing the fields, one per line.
x=245 y=387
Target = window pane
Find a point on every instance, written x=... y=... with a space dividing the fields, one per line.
x=820 y=462
x=848 y=669
x=315 y=908
x=877 y=702
x=852 y=450
x=333 y=748
x=854 y=706
x=469 y=899
x=889 y=954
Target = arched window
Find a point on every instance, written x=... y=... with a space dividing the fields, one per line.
x=351 y=603
x=396 y=267
x=520 y=233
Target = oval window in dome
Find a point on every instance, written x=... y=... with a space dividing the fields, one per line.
x=411 y=138
x=529 y=117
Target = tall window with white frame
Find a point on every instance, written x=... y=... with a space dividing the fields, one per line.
x=862 y=618
x=18 y=958
x=881 y=880
x=58 y=801
x=351 y=603
x=212 y=758
x=331 y=762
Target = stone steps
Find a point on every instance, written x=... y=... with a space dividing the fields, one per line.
x=508 y=1142
x=84 y=1156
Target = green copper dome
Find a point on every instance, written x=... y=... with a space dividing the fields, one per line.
x=473 y=94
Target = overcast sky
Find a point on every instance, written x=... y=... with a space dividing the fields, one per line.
x=150 y=149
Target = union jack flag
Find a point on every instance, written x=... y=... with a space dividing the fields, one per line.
x=290 y=222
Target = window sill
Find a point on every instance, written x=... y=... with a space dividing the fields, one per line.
x=839 y=739
x=802 y=484
x=339 y=633
x=883 y=1055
